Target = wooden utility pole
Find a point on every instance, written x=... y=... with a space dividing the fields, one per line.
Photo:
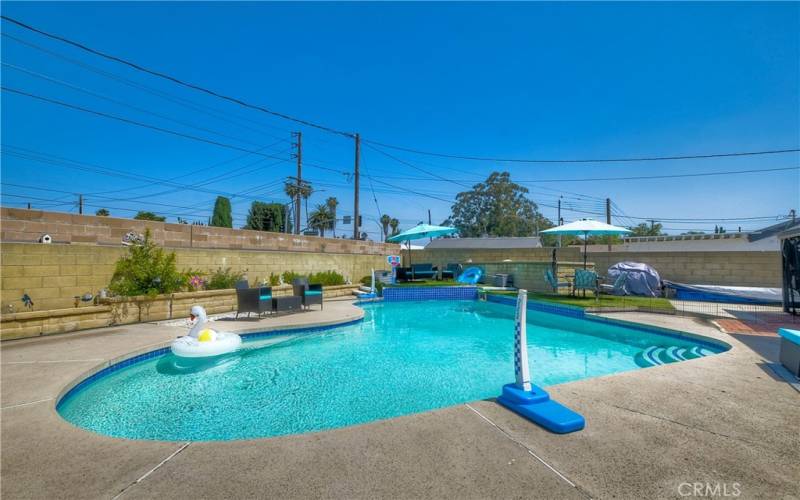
x=299 y=156
x=608 y=219
x=559 y=221
x=356 y=232
x=80 y=204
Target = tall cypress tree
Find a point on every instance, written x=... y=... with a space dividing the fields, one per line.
x=222 y=213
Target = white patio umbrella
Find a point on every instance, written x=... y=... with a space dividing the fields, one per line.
x=586 y=227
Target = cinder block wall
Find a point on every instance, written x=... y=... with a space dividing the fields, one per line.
x=444 y=256
x=708 y=268
x=27 y=226
x=84 y=249
x=52 y=275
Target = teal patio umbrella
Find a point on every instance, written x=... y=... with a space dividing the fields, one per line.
x=586 y=227
x=418 y=232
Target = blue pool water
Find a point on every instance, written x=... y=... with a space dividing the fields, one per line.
x=405 y=357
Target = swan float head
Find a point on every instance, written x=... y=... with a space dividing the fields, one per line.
x=198 y=312
x=199 y=330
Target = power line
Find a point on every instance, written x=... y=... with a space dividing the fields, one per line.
x=210 y=111
x=174 y=79
x=100 y=169
x=126 y=104
x=133 y=122
x=586 y=160
x=285 y=116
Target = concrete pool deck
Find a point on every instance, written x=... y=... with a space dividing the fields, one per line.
x=727 y=422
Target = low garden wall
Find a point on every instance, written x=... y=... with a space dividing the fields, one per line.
x=127 y=310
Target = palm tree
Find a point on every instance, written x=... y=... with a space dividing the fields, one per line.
x=385 y=221
x=332 y=203
x=321 y=219
x=295 y=192
x=394 y=223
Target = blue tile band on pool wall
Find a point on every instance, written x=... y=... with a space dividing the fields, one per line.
x=404 y=293
x=165 y=350
x=534 y=305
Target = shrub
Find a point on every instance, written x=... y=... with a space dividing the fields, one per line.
x=274 y=279
x=326 y=278
x=146 y=270
x=288 y=276
x=223 y=278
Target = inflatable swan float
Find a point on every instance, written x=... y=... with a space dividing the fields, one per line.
x=202 y=341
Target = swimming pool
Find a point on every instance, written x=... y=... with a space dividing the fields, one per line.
x=403 y=358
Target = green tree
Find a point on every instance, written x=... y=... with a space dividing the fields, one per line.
x=146 y=270
x=102 y=213
x=143 y=215
x=297 y=192
x=394 y=224
x=332 y=204
x=267 y=217
x=385 y=221
x=495 y=207
x=645 y=229
x=222 y=216
x=321 y=219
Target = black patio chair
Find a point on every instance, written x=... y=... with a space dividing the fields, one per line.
x=309 y=293
x=253 y=300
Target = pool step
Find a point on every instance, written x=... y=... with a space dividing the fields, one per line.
x=659 y=355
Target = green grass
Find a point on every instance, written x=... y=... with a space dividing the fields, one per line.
x=605 y=301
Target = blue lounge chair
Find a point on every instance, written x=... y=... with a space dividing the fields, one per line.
x=618 y=288
x=585 y=280
x=554 y=283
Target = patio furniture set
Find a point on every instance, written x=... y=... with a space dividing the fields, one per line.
x=260 y=300
x=584 y=279
x=428 y=272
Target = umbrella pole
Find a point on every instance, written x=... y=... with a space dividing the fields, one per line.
x=585 y=246
x=409 y=260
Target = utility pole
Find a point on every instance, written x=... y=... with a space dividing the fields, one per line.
x=356 y=232
x=608 y=219
x=429 y=216
x=80 y=204
x=299 y=156
x=559 y=222
x=29 y=205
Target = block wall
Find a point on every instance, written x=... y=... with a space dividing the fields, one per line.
x=52 y=275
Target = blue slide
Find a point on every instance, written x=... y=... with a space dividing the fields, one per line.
x=470 y=276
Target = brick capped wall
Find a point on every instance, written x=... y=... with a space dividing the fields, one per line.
x=27 y=226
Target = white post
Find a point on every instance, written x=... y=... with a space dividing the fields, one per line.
x=372 y=282
x=523 y=375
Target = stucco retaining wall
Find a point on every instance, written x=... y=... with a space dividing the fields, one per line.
x=126 y=310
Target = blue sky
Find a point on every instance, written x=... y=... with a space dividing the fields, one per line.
x=529 y=80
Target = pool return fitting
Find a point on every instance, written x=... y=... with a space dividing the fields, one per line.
x=528 y=400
